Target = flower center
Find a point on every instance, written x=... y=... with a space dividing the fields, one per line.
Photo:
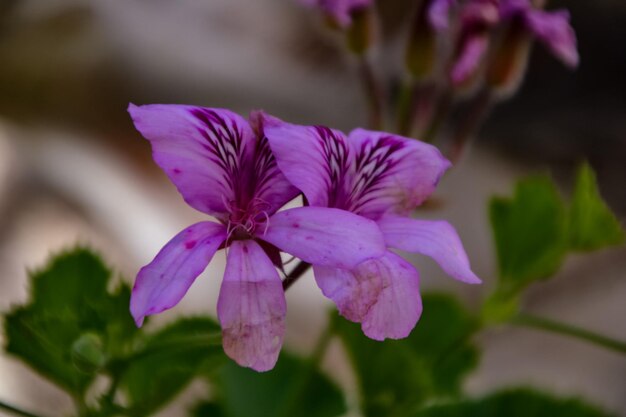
x=243 y=223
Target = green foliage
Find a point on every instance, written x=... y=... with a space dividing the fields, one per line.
x=293 y=388
x=514 y=403
x=592 y=225
x=535 y=229
x=397 y=376
x=69 y=300
x=530 y=233
x=168 y=361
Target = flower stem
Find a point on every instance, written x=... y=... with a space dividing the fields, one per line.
x=469 y=125
x=16 y=411
x=373 y=93
x=541 y=323
x=295 y=273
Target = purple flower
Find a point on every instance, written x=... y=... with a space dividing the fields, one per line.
x=551 y=28
x=439 y=14
x=477 y=19
x=381 y=177
x=222 y=165
x=339 y=12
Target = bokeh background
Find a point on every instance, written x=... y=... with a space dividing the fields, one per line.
x=73 y=170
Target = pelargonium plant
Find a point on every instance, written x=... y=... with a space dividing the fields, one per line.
x=342 y=206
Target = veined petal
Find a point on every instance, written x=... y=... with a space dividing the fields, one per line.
x=325 y=236
x=313 y=158
x=391 y=173
x=272 y=190
x=203 y=151
x=436 y=239
x=382 y=294
x=162 y=283
x=554 y=30
x=251 y=307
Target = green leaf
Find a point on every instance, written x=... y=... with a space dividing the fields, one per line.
x=530 y=233
x=293 y=388
x=168 y=361
x=592 y=225
x=207 y=409
x=515 y=403
x=395 y=376
x=69 y=299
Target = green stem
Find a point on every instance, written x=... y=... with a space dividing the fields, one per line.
x=373 y=93
x=301 y=383
x=541 y=323
x=16 y=411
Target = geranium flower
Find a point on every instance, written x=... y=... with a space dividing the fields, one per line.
x=552 y=28
x=477 y=18
x=222 y=165
x=340 y=12
x=382 y=177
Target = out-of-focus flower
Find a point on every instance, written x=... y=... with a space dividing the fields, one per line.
x=223 y=166
x=382 y=177
x=339 y=12
x=552 y=28
x=523 y=24
x=477 y=18
x=431 y=19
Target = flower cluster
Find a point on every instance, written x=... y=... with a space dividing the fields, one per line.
x=359 y=190
x=472 y=27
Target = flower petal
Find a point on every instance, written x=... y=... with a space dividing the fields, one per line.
x=202 y=151
x=391 y=173
x=439 y=14
x=325 y=236
x=251 y=307
x=162 y=283
x=555 y=31
x=471 y=52
x=382 y=294
x=313 y=158
x=436 y=239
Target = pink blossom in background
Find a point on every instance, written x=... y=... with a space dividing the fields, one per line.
x=552 y=28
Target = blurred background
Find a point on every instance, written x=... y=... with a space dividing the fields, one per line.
x=74 y=170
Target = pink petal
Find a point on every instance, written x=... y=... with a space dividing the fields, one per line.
x=162 y=283
x=436 y=239
x=382 y=294
x=439 y=14
x=555 y=31
x=471 y=53
x=325 y=236
x=313 y=158
x=201 y=150
x=391 y=173
x=251 y=307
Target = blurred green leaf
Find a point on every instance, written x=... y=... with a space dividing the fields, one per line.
x=168 y=361
x=396 y=376
x=592 y=225
x=293 y=388
x=530 y=233
x=207 y=409
x=69 y=299
x=515 y=403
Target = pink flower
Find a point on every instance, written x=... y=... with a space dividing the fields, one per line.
x=381 y=177
x=551 y=28
x=222 y=165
